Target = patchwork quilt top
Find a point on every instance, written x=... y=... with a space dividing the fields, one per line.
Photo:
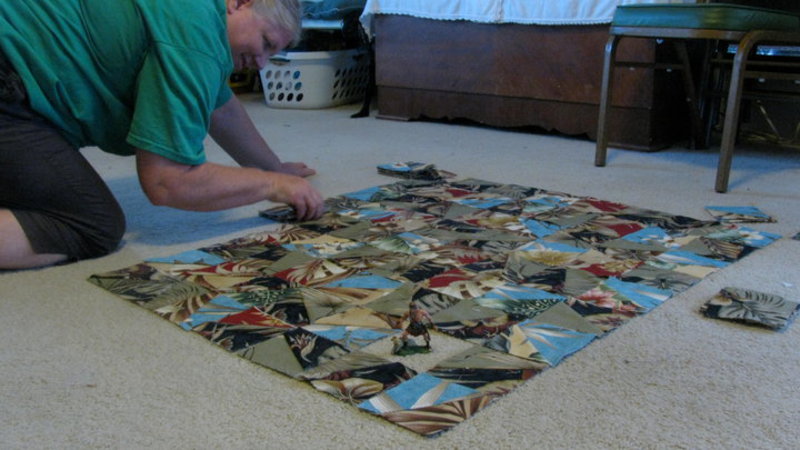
x=525 y=276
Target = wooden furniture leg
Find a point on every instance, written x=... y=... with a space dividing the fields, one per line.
x=605 y=100
x=697 y=139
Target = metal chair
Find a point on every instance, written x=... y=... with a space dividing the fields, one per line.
x=745 y=28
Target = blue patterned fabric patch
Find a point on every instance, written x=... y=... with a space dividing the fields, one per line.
x=190 y=257
x=418 y=392
x=739 y=214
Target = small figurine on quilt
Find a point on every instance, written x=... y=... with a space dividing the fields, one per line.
x=418 y=323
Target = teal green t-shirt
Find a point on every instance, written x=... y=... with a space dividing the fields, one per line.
x=123 y=74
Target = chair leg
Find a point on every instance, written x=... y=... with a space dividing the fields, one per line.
x=704 y=87
x=731 y=123
x=738 y=74
x=697 y=139
x=717 y=83
x=605 y=101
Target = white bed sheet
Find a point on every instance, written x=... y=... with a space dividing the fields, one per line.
x=532 y=12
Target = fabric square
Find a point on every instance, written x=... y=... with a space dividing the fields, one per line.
x=519 y=302
x=463 y=284
x=483 y=203
x=279 y=214
x=418 y=392
x=662 y=278
x=570 y=222
x=283 y=234
x=314 y=272
x=739 y=214
x=329 y=222
x=745 y=236
x=357 y=377
x=407 y=242
x=652 y=238
x=539 y=228
x=371 y=258
x=477 y=325
x=475 y=185
x=465 y=252
x=715 y=248
x=351 y=338
x=540 y=341
x=216 y=309
x=673 y=223
x=323 y=249
x=564 y=281
x=550 y=253
x=614 y=302
x=363 y=317
x=396 y=302
x=486 y=370
x=147 y=286
x=265 y=283
x=366 y=195
x=413 y=170
x=372 y=212
x=190 y=257
x=293 y=352
x=467 y=311
x=271 y=253
x=752 y=307
x=690 y=259
x=545 y=202
x=423 y=271
x=513 y=191
x=433 y=420
x=247 y=246
x=239 y=331
x=596 y=205
x=607 y=227
x=603 y=265
x=223 y=277
x=563 y=316
x=286 y=304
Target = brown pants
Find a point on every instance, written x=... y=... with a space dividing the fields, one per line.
x=62 y=204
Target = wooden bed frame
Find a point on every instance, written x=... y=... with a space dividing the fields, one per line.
x=513 y=75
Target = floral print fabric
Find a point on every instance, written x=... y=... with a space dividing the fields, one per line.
x=739 y=214
x=413 y=170
x=752 y=307
x=524 y=276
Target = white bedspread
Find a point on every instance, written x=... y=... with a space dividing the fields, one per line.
x=538 y=12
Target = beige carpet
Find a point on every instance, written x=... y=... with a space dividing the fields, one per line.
x=81 y=368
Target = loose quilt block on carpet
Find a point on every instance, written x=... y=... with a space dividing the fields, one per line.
x=524 y=276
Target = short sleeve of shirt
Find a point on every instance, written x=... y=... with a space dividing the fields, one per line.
x=183 y=77
x=124 y=73
x=177 y=89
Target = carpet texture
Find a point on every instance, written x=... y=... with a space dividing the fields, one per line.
x=83 y=368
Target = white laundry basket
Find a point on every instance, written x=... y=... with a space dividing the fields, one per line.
x=312 y=80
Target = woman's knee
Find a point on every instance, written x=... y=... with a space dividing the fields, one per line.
x=106 y=236
x=78 y=237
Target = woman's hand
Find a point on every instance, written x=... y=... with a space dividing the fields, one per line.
x=297 y=168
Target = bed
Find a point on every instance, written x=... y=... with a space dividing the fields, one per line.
x=518 y=64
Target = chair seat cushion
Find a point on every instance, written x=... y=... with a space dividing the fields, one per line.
x=706 y=16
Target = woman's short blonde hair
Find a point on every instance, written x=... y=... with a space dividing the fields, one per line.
x=286 y=14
